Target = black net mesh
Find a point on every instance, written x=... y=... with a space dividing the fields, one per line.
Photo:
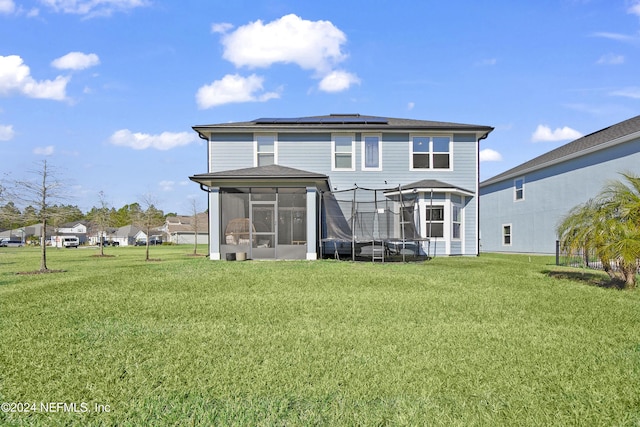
x=364 y=222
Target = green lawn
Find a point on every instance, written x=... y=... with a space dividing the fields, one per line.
x=492 y=340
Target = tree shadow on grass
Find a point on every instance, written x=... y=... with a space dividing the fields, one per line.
x=41 y=272
x=587 y=278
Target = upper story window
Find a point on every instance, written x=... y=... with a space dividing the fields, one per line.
x=430 y=152
x=518 y=189
x=342 y=152
x=265 y=150
x=371 y=152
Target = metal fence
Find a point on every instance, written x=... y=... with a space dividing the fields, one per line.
x=583 y=259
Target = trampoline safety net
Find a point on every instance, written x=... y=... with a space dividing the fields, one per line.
x=368 y=224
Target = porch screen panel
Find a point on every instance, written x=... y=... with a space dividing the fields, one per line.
x=292 y=216
x=234 y=220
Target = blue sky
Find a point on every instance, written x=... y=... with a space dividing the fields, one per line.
x=107 y=90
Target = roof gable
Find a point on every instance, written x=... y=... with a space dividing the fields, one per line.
x=595 y=141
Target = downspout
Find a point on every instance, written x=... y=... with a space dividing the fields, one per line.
x=478 y=192
x=204 y=137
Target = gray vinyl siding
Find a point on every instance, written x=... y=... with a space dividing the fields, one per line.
x=549 y=194
x=309 y=152
x=230 y=151
x=312 y=152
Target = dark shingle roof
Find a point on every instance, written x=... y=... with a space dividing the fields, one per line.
x=586 y=144
x=340 y=121
x=432 y=183
x=261 y=175
x=271 y=171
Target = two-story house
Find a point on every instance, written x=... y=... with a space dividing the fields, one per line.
x=522 y=207
x=281 y=187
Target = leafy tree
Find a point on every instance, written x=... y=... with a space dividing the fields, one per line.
x=29 y=215
x=126 y=214
x=610 y=225
x=10 y=216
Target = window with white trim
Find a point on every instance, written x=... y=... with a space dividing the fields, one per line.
x=265 y=150
x=342 y=153
x=506 y=235
x=434 y=221
x=371 y=152
x=518 y=189
x=430 y=152
x=456 y=222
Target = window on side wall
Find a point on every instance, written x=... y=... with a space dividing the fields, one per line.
x=518 y=189
x=506 y=235
x=342 y=152
x=456 y=222
x=371 y=153
x=430 y=152
x=265 y=153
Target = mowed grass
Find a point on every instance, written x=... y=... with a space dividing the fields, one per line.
x=489 y=340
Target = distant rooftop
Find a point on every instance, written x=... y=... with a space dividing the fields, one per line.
x=586 y=144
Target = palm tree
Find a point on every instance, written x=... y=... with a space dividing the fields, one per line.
x=610 y=225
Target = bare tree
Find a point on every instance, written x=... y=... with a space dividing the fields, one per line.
x=194 y=224
x=101 y=219
x=42 y=193
x=148 y=218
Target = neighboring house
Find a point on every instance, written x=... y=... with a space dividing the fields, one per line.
x=105 y=235
x=181 y=229
x=78 y=229
x=521 y=208
x=127 y=235
x=24 y=234
x=277 y=186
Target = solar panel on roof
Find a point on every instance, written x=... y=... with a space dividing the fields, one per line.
x=323 y=120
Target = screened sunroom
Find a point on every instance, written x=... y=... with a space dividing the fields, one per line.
x=266 y=212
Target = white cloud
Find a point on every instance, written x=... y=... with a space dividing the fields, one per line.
x=337 y=81
x=411 y=105
x=311 y=45
x=544 y=133
x=630 y=92
x=6 y=132
x=76 y=61
x=166 y=185
x=611 y=59
x=91 y=8
x=634 y=9
x=221 y=27
x=142 y=141
x=489 y=155
x=615 y=36
x=15 y=77
x=314 y=45
x=233 y=88
x=44 y=151
x=7 y=6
